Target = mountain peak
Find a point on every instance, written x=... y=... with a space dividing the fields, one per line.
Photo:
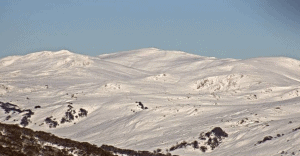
x=58 y=58
x=148 y=53
x=63 y=52
x=48 y=53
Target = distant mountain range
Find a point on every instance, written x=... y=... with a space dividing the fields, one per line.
x=164 y=102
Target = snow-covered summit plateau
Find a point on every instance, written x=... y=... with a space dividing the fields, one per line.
x=151 y=99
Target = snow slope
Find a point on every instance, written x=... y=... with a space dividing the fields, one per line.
x=184 y=94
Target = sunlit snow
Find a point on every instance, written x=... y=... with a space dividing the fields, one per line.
x=184 y=94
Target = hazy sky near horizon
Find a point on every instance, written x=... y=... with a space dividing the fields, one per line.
x=220 y=28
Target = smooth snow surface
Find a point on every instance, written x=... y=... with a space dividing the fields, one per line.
x=185 y=95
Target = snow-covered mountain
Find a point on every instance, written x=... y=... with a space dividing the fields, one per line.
x=151 y=99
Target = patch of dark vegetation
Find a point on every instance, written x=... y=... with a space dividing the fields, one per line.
x=8 y=107
x=25 y=120
x=202 y=136
x=70 y=107
x=277 y=136
x=129 y=152
x=195 y=144
x=203 y=148
x=67 y=118
x=296 y=129
x=218 y=132
x=265 y=139
x=210 y=139
x=140 y=104
x=269 y=138
x=71 y=113
x=8 y=151
x=213 y=142
x=157 y=150
x=18 y=141
x=82 y=112
x=50 y=122
x=8 y=117
x=243 y=121
x=178 y=146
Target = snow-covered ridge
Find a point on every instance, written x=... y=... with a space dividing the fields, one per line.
x=56 y=59
x=185 y=95
x=151 y=58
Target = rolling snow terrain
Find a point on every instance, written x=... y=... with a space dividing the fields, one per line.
x=151 y=99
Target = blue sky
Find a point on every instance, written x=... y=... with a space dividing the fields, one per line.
x=220 y=28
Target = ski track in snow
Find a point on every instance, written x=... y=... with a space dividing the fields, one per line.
x=184 y=94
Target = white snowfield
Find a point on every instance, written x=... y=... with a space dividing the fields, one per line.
x=184 y=94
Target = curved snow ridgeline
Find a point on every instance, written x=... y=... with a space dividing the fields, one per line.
x=157 y=100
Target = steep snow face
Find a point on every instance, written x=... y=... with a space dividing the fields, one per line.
x=150 y=98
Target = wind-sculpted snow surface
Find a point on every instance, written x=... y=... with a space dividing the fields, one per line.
x=153 y=100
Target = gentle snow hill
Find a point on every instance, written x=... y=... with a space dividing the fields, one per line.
x=62 y=62
x=96 y=99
